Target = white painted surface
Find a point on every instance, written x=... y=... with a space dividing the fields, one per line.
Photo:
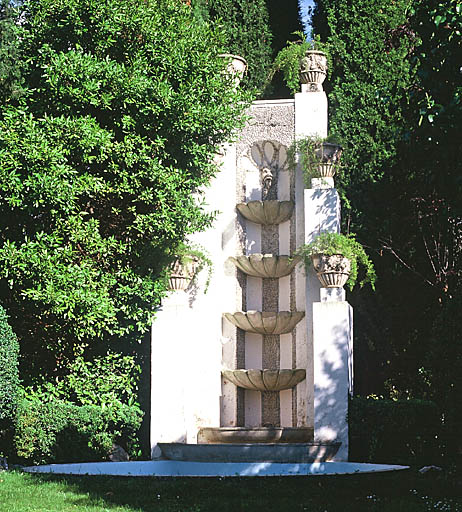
x=253 y=342
x=285 y=361
x=310 y=120
x=303 y=347
x=189 y=334
x=284 y=238
x=322 y=212
x=187 y=339
x=212 y=469
x=284 y=182
x=253 y=360
x=310 y=114
x=332 y=294
x=322 y=183
x=285 y=340
x=332 y=335
x=167 y=377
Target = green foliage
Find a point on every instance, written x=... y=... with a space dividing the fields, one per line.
x=395 y=96
x=442 y=369
x=346 y=245
x=9 y=379
x=107 y=381
x=394 y=432
x=368 y=81
x=244 y=25
x=284 y=19
x=125 y=105
x=288 y=59
x=62 y=432
x=308 y=152
x=10 y=66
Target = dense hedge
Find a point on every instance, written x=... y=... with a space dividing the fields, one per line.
x=63 y=432
x=397 y=432
x=9 y=378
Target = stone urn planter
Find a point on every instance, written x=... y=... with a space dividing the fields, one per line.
x=236 y=67
x=328 y=157
x=313 y=69
x=183 y=272
x=336 y=259
x=332 y=271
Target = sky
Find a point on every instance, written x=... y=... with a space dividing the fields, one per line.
x=304 y=4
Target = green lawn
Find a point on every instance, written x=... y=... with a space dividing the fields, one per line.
x=400 y=492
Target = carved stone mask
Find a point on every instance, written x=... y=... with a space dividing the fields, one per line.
x=270 y=157
x=267 y=180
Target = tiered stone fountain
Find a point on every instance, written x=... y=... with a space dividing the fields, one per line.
x=260 y=366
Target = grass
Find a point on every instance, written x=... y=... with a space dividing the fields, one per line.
x=401 y=492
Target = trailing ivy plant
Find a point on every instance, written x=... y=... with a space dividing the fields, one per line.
x=307 y=151
x=288 y=59
x=347 y=246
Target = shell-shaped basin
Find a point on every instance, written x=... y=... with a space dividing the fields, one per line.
x=266 y=212
x=265 y=380
x=265 y=322
x=266 y=265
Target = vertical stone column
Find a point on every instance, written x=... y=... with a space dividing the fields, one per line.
x=310 y=119
x=327 y=353
x=322 y=213
x=332 y=358
x=234 y=294
x=168 y=424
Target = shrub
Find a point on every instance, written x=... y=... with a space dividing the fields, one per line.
x=108 y=380
x=398 y=432
x=9 y=377
x=63 y=432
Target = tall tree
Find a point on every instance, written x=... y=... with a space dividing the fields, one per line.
x=395 y=97
x=124 y=105
x=246 y=32
x=10 y=66
x=284 y=19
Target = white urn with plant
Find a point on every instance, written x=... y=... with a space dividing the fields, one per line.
x=337 y=260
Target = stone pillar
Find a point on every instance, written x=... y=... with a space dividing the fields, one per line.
x=310 y=120
x=310 y=114
x=168 y=333
x=329 y=321
x=333 y=362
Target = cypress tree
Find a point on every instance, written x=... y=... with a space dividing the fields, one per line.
x=246 y=28
x=284 y=19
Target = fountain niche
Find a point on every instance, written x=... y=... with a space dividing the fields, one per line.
x=259 y=368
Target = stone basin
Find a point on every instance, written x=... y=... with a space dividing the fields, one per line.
x=266 y=265
x=266 y=212
x=265 y=380
x=266 y=322
x=239 y=435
